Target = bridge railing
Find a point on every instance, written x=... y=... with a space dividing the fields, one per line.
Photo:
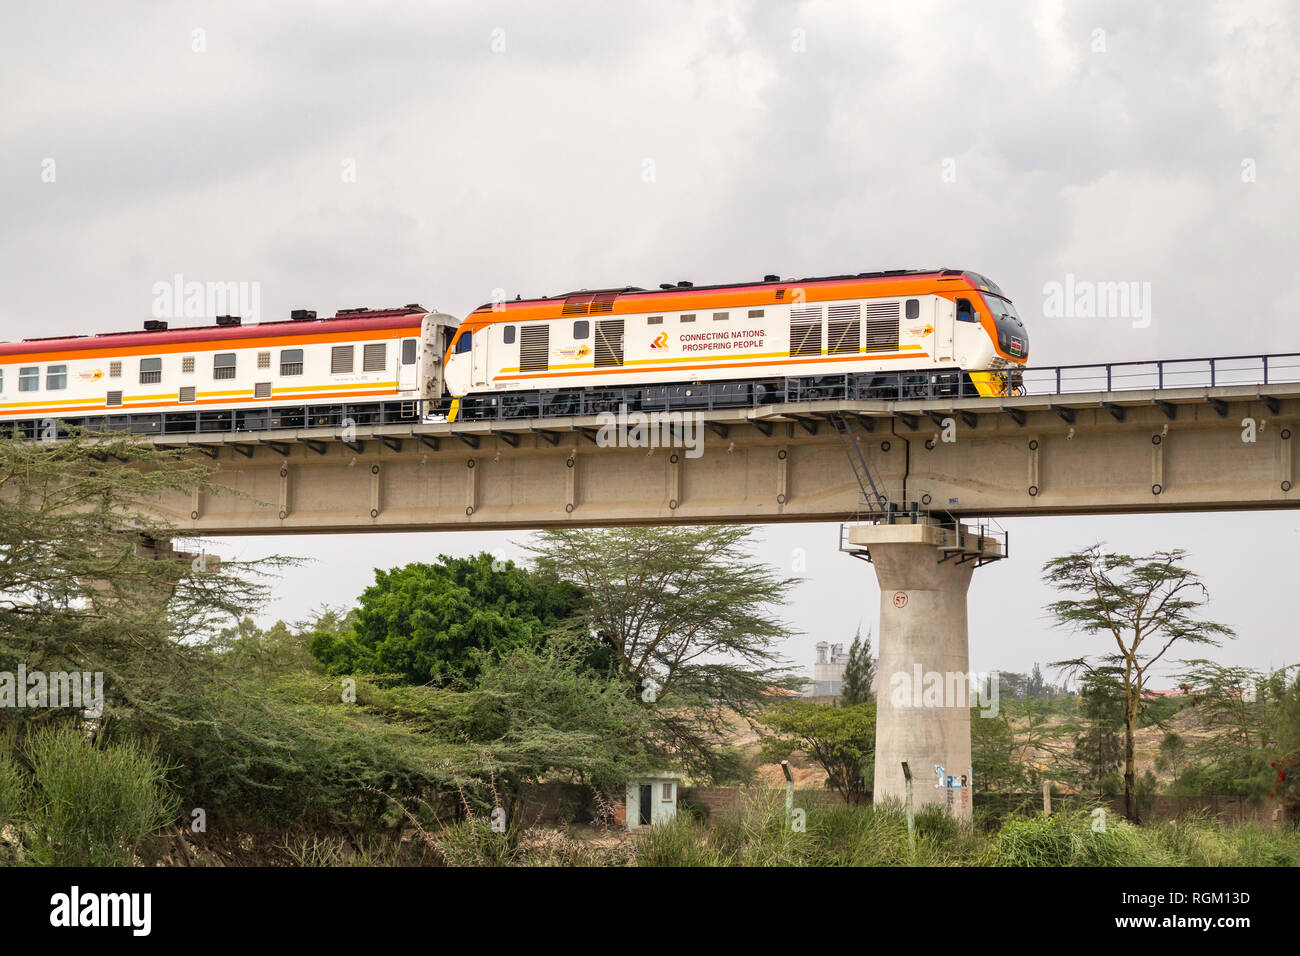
x=1164 y=373
x=524 y=408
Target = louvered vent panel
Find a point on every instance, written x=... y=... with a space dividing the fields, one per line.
x=609 y=342
x=604 y=302
x=187 y=394
x=341 y=359
x=844 y=327
x=113 y=398
x=882 y=326
x=577 y=304
x=374 y=357
x=806 y=330
x=534 y=348
x=262 y=390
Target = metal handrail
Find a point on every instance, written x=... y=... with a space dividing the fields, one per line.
x=528 y=408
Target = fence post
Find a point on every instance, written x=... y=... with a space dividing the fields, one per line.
x=911 y=821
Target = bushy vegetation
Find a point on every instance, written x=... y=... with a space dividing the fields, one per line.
x=82 y=804
x=759 y=835
x=407 y=730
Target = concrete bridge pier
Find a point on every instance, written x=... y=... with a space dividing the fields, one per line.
x=922 y=690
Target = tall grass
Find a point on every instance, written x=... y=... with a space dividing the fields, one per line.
x=90 y=805
x=758 y=834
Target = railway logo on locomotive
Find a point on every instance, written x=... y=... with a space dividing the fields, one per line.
x=660 y=342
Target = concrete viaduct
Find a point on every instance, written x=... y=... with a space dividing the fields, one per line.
x=1077 y=444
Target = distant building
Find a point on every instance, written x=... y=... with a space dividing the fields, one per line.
x=828 y=670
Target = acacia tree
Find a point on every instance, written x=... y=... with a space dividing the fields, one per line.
x=841 y=739
x=87 y=581
x=688 y=616
x=1146 y=605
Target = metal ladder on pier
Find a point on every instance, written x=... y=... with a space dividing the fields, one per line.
x=876 y=501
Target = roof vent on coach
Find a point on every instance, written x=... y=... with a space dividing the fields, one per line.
x=229 y=320
x=771 y=278
x=685 y=285
x=154 y=325
x=302 y=315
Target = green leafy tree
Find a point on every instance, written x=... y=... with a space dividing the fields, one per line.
x=1250 y=721
x=426 y=622
x=1172 y=757
x=689 y=620
x=1006 y=747
x=1145 y=605
x=859 y=671
x=1098 y=747
x=842 y=740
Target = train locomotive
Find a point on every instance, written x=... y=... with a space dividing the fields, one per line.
x=897 y=334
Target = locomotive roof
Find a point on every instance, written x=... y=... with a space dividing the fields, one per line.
x=688 y=288
x=607 y=296
x=345 y=321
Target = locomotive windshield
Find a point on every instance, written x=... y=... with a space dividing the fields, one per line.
x=1011 y=331
x=1000 y=306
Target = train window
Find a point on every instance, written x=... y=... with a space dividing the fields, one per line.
x=341 y=359
x=464 y=342
x=509 y=335
x=2 y=380
x=687 y=318
x=29 y=378
x=56 y=377
x=290 y=361
x=655 y=320
x=114 y=369
x=150 y=371
x=720 y=316
x=113 y=398
x=187 y=394
x=408 y=351
x=223 y=365
x=374 y=356
x=913 y=308
x=964 y=311
x=581 y=329
x=755 y=313
x=187 y=364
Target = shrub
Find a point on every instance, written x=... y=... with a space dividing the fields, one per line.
x=94 y=806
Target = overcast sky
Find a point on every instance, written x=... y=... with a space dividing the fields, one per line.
x=373 y=154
